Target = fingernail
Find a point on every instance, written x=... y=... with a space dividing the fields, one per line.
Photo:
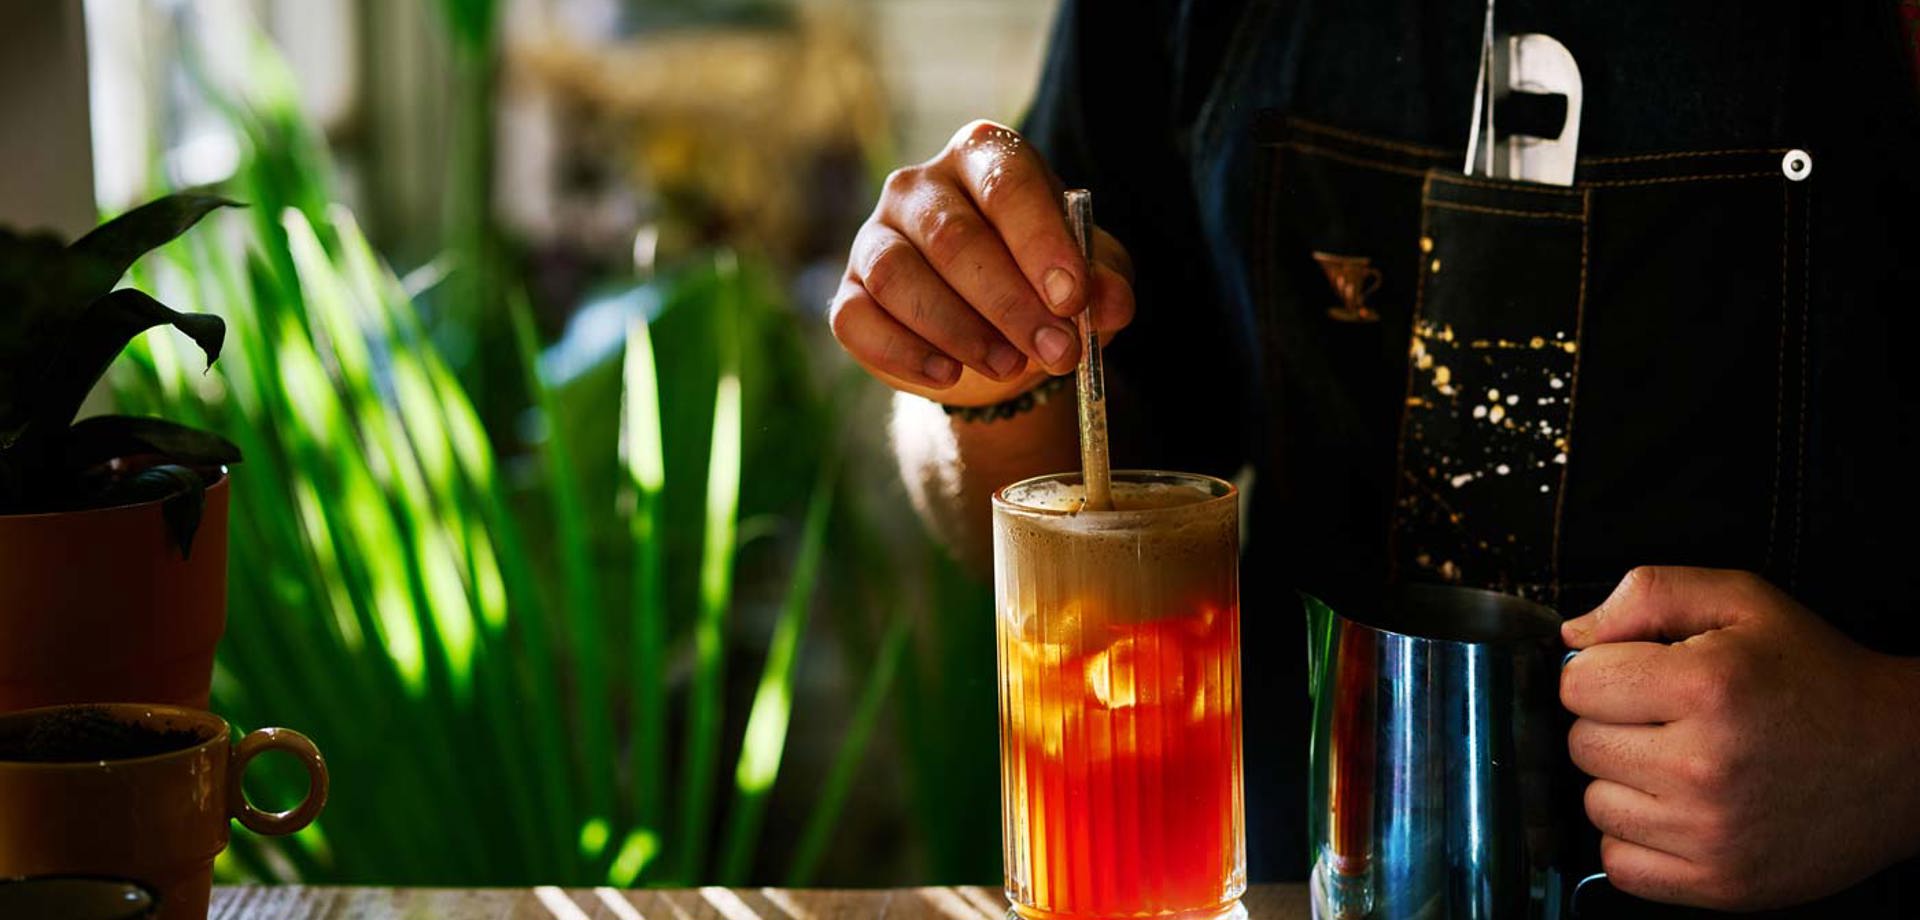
x=1051 y=342
x=1059 y=285
x=1005 y=360
x=940 y=368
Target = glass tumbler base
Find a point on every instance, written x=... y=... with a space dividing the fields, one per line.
x=1233 y=910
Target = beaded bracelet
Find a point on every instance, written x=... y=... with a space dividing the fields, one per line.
x=1025 y=402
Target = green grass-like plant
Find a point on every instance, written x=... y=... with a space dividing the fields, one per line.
x=514 y=661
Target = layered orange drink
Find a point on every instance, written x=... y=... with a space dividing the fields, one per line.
x=1119 y=649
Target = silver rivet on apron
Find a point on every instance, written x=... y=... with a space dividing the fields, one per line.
x=1797 y=165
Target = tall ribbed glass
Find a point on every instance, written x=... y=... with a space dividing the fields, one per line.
x=1119 y=648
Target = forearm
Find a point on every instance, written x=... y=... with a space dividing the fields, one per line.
x=951 y=467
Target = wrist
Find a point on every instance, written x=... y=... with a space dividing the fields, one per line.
x=951 y=467
x=1042 y=392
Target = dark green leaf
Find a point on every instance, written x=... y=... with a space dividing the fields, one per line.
x=181 y=490
x=111 y=248
x=71 y=367
x=54 y=315
x=108 y=437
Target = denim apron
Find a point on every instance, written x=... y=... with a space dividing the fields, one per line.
x=1694 y=355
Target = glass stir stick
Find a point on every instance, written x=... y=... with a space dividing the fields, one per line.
x=1091 y=377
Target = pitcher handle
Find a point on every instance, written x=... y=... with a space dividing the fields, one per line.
x=276 y=823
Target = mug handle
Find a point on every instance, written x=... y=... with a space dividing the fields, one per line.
x=1370 y=282
x=270 y=823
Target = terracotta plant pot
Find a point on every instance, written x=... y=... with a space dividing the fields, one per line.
x=98 y=606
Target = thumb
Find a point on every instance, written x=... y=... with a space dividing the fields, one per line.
x=1656 y=603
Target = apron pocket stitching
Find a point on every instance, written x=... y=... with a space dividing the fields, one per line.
x=1503 y=212
x=1573 y=390
x=1440 y=153
x=1681 y=154
x=1780 y=386
x=1400 y=478
x=1806 y=308
x=1350 y=159
x=1506 y=185
x=1370 y=141
x=1669 y=180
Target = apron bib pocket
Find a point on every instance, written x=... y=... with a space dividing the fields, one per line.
x=1494 y=364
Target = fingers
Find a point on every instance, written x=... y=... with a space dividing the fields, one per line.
x=1645 y=872
x=885 y=347
x=1631 y=755
x=1627 y=682
x=1633 y=816
x=1018 y=195
x=971 y=260
x=1108 y=251
x=1112 y=301
x=1664 y=602
x=967 y=262
x=899 y=279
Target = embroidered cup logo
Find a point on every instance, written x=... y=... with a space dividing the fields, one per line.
x=1353 y=278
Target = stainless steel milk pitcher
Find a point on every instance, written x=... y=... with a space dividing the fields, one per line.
x=1440 y=782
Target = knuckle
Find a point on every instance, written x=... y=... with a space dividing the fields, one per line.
x=902 y=181
x=981 y=132
x=1574 y=689
x=886 y=270
x=899 y=356
x=1717 y=686
x=1710 y=691
x=1642 y=581
x=1006 y=306
x=1706 y=770
x=1007 y=184
x=839 y=318
x=1598 y=809
x=947 y=234
x=1716 y=830
x=1622 y=872
x=1580 y=747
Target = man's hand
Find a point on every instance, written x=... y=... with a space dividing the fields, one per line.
x=962 y=285
x=1761 y=759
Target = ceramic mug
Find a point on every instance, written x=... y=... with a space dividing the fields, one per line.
x=157 y=819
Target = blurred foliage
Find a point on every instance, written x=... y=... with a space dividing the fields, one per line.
x=445 y=636
x=760 y=136
x=552 y=633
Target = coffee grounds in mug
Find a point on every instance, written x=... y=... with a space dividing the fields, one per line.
x=86 y=734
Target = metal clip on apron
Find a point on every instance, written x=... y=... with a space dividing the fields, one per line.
x=1528 y=63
